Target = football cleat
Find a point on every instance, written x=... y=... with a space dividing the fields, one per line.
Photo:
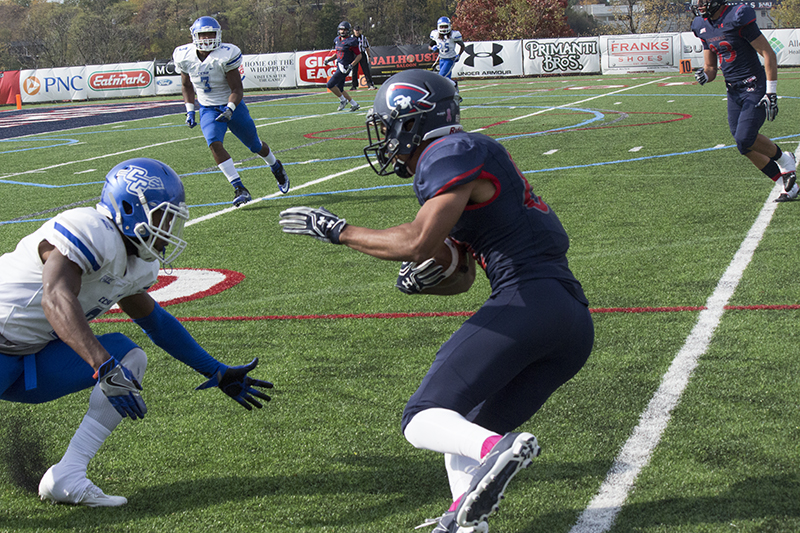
x=789 y=179
x=790 y=195
x=511 y=454
x=280 y=176
x=90 y=495
x=342 y=105
x=241 y=196
x=355 y=107
x=447 y=524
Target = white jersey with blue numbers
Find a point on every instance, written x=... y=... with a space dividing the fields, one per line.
x=208 y=76
x=446 y=44
x=90 y=240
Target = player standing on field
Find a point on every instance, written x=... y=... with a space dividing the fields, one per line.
x=346 y=55
x=72 y=270
x=449 y=44
x=732 y=39
x=531 y=336
x=210 y=72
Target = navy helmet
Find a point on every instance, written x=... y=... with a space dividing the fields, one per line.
x=411 y=107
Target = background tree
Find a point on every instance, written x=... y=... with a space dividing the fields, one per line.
x=787 y=14
x=481 y=20
x=650 y=16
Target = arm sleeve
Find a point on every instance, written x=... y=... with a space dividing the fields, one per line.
x=170 y=335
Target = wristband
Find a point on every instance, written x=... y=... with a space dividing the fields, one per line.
x=772 y=86
x=189 y=108
x=454 y=259
x=232 y=106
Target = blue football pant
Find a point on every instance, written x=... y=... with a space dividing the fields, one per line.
x=500 y=367
x=240 y=124
x=59 y=371
x=745 y=116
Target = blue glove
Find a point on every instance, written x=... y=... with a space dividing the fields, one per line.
x=234 y=381
x=415 y=278
x=434 y=48
x=318 y=223
x=226 y=115
x=770 y=103
x=190 y=120
x=700 y=75
x=121 y=389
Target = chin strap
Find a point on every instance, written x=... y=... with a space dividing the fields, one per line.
x=401 y=170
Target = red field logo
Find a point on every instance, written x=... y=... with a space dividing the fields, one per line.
x=121 y=79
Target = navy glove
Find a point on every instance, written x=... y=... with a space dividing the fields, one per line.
x=318 y=223
x=234 y=381
x=770 y=103
x=700 y=75
x=121 y=389
x=414 y=278
x=226 y=115
x=190 y=120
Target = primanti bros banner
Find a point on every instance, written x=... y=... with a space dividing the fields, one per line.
x=580 y=55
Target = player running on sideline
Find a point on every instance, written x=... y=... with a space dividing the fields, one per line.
x=72 y=270
x=732 y=39
x=210 y=72
x=532 y=335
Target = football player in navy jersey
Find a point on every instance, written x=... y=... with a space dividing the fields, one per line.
x=74 y=268
x=532 y=335
x=346 y=55
x=732 y=39
x=209 y=72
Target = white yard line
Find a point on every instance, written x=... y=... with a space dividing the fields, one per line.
x=599 y=516
x=274 y=195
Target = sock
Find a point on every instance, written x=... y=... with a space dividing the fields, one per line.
x=446 y=431
x=786 y=162
x=459 y=475
x=82 y=448
x=778 y=154
x=772 y=171
x=270 y=158
x=230 y=172
x=342 y=99
x=353 y=102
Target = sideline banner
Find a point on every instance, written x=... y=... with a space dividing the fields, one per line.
x=311 y=70
x=385 y=61
x=646 y=52
x=167 y=81
x=785 y=43
x=121 y=79
x=579 y=55
x=494 y=59
x=9 y=86
x=53 y=84
x=271 y=71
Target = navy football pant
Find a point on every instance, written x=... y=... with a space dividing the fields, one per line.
x=500 y=367
x=745 y=117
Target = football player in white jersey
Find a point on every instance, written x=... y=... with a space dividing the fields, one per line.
x=210 y=73
x=74 y=268
x=449 y=44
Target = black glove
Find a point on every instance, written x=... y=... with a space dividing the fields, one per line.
x=318 y=223
x=415 y=278
x=770 y=103
x=700 y=75
x=234 y=381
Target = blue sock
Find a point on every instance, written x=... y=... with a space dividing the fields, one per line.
x=237 y=183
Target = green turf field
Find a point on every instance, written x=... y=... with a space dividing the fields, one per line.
x=645 y=177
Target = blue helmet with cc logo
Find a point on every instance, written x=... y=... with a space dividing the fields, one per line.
x=145 y=199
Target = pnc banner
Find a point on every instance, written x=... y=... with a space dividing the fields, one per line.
x=52 y=84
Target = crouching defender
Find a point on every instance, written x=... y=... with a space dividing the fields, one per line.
x=533 y=333
x=75 y=268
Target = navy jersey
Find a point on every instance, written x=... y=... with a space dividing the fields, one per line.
x=347 y=49
x=515 y=236
x=729 y=36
